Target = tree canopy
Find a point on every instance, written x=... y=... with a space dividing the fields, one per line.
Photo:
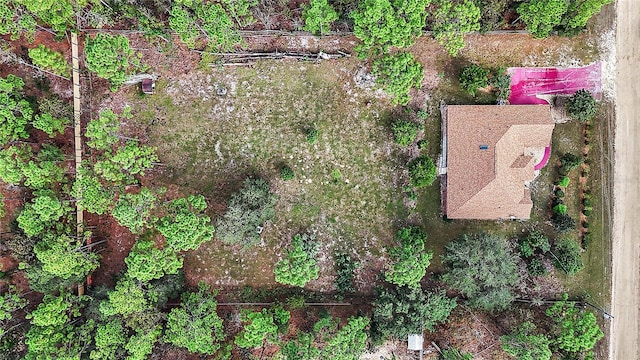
x=409 y=260
x=318 y=16
x=146 y=262
x=247 y=211
x=298 y=265
x=61 y=256
x=454 y=19
x=195 y=325
x=15 y=112
x=400 y=311
x=102 y=132
x=577 y=330
x=582 y=106
x=108 y=56
x=483 y=268
x=186 y=227
x=261 y=327
x=524 y=344
x=133 y=211
x=398 y=73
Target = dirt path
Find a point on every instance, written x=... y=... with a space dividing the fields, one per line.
x=625 y=329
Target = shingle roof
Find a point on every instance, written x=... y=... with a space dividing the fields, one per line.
x=491 y=152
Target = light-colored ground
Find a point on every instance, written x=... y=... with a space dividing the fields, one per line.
x=625 y=330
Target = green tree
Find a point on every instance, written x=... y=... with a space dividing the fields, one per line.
x=109 y=341
x=580 y=11
x=541 y=16
x=452 y=20
x=52 y=334
x=193 y=18
x=63 y=257
x=422 y=171
x=10 y=302
x=318 y=16
x=140 y=345
x=524 y=344
x=349 y=343
x=108 y=56
x=570 y=162
x=15 y=21
x=126 y=299
x=102 y=133
x=260 y=328
x=41 y=175
x=302 y=347
x=131 y=159
x=133 y=211
x=398 y=73
x=59 y=14
x=400 y=311
x=474 y=77
x=90 y=194
x=566 y=253
x=582 y=106
x=195 y=325
x=299 y=265
x=47 y=59
x=409 y=260
x=380 y=24
x=15 y=112
x=42 y=212
x=481 y=267
x=49 y=124
x=247 y=211
x=576 y=330
x=12 y=162
x=186 y=227
x=146 y=262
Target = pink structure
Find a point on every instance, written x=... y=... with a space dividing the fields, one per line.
x=526 y=83
x=545 y=159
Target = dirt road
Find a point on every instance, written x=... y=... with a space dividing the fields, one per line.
x=625 y=329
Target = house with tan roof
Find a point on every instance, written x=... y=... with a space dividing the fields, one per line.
x=491 y=154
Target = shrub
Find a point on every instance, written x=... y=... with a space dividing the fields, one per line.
x=473 y=77
x=47 y=59
x=501 y=81
x=559 y=193
x=247 y=211
x=400 y=311
x=524 y=344
x=570 y=161
x=422 y=114
x=345 y=267
x=563 y=223
x=586 y=212
x=261 y=326
x=398 y=73
x=336 y=176
x=560 y=209
x=536 y=267
x=405 y=132
x=318 y=16
x=533 y=242
x=423 y=144
x=108 y=56
x=567 y=256
x=409 y=261
x=483 y=268
x=312 y=135
x=564 y=182
x=582 y=106
x=422 y=171
x=286 y=173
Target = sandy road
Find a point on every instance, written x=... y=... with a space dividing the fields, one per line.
x=625 y=328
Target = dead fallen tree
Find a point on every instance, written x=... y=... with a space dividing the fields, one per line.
x=248 y=58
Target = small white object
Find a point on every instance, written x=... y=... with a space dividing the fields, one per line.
x=415 y=342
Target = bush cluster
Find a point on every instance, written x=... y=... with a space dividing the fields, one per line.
x=405 y=132
x=422 y=171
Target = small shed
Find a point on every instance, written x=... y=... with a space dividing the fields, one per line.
x=148 y=86
x=415 y=342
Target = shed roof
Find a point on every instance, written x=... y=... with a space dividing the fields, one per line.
x=491 y=154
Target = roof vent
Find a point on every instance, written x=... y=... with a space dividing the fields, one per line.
x=484 y=147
